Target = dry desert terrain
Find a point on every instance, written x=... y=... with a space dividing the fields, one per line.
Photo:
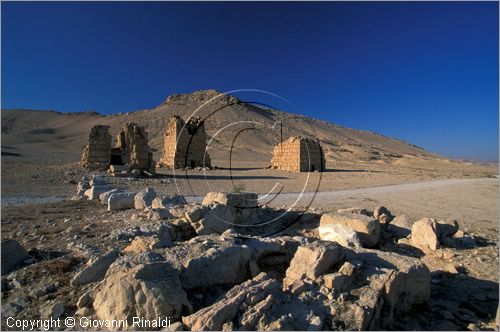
x=64 y=238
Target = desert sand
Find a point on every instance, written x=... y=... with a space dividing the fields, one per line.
x=40 y=171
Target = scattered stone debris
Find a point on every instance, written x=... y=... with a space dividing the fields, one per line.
x=144 y=198
x=312 y=260
x=81 y=188
x=424 y=235
x=104 y=197
x=224 y=211
x=355 y=210
x=201 y=267
x=140 y=286
x=13 y=255
x=367 y=228
x=400 y=226
x=238 y=200
x=95 y=270
x=341 y=234
x=383 y=215
x=121 y=201
x=447 y=228
x=53 y=311
x=298 y=154
x=166 y=202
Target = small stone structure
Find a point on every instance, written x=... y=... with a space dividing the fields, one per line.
x=97 y=154
x=298 y=154
x=131 y=149
x=185 y=144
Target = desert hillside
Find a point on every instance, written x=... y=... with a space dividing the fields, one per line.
x=36 y=134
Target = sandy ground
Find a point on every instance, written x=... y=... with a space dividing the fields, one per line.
x=39 y=173
x=26 y=181
x=470 y=298
x=37 y=212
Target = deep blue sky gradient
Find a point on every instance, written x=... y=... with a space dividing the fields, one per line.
x=426 y=72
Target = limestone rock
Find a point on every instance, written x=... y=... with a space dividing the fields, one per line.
x=392 y=285
x=79 y=195
x=159 y=214
x=312 y=260
x=140 y=287
x=13 y=255
x=220 y=217
x=144 y=198
x=447 y=228
x=177 y=326
x=95 y=191
x=248 y=294
x=98 y=180
x=95 y=270
x=182 y=230
x=105 y=195
x=238 y=200
x=400 y=226
x=383 y=215
x=424 y=235
x=83 y=185
x=85 y=301
x=168 y=201
x=341 y=280
x=355 y=210
x=147 y=243
x=53 y=311
x=121 y=201
x=219 y=265
x=367 y=228
x=341 y=234
x=195 y=213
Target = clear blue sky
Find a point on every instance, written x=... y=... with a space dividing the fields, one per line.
x=424 y=72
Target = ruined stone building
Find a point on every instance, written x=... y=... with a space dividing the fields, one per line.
x=298 y=154
x=97 y=153
x=131 y=149
x=185 y=144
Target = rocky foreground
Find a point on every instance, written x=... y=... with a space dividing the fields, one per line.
x=230 y=264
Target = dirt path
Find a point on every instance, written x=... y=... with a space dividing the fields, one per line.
x=445 y=197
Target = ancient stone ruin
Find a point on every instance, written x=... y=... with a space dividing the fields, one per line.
x=298 y=154
x=97 y=153
x=132 y=149
x=185 y=144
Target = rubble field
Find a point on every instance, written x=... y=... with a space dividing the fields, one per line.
x=228 y=263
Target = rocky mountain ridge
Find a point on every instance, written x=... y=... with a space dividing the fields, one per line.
x=30 y=131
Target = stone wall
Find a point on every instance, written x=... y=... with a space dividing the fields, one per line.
x=97 y=153
x=298 y=154
x=185 y=144
x=132 y=140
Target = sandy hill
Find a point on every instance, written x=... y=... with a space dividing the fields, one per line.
x=48 y=134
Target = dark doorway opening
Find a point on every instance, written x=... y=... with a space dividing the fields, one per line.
x=116 y=156
x=312 y=168
x=193 y=164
